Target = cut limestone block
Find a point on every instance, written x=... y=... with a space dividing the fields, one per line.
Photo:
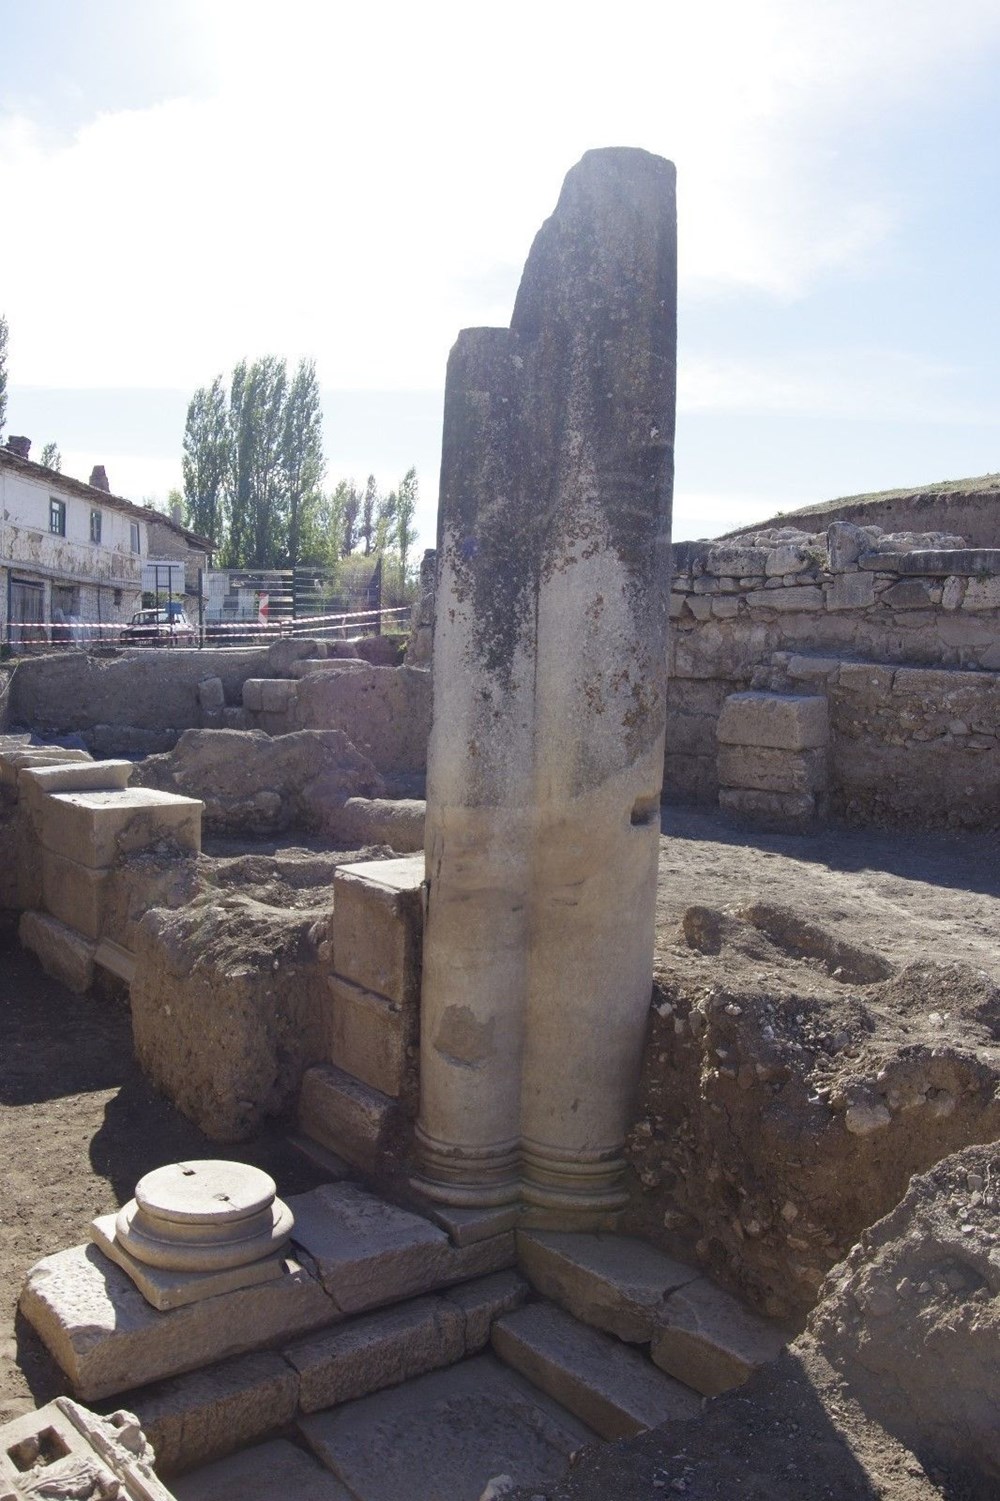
x=78 y=776
x=62 y=1450
x=74 y=893
x=118 y=960
x=784 y=721
x=379 y=1350
x=269 y=1471
x=481 y=1304
x=276 y=694
x=611 y=1281
x=199 y=1417
x=163 y=1288
x=96 y=828
x=345 y=1116
x=465 y=1226
x=368 y=1252
x=708 y=1340
x=446 y=1435
x=61 y=952
x=612 y=1389
x=369 y=1035
x=107 y=1338
x=771 y=812
x=306 y=665
x=397 y=822
x=13 y=761
x=764 y=769
x=377 y=925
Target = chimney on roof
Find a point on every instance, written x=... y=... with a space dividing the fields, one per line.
x=19 y=446
x=99 y=479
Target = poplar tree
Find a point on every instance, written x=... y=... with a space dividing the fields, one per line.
x=3 y=372
x=205 y=461
x=302 y=457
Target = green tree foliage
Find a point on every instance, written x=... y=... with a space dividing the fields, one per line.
x=205 y=461
x=51 y=457
x=3 y=372
x=302 y=457
x=253 y=481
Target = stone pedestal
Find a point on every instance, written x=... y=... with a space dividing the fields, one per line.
x=546 y=750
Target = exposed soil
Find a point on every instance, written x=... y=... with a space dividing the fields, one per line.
x=79 y=1124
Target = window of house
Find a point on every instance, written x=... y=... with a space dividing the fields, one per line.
x=57 y=517
x=95 y=526
x=134 y=534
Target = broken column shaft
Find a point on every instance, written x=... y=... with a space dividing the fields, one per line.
x=546 y=752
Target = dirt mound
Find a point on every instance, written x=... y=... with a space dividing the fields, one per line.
x=793 y=1083
x=911 y=1318
x=257 y=784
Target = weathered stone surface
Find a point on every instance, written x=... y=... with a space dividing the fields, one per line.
x=276 y=694
x=799 y=597
x=95 y=828
x=767 y=770
x=65 y=1451
x=62 y=953
x=385 y=711
x=735 y=562
x=982 y=593
x=255 y=783
x=369 y=1036
x=14 y=760
x=481 y=1303
x=770 y=812
x=74 y=894
x=107 y=1338
x=367 y=1252
x=613 y=1389
x=397 y=822
x=908 y=594
x=780 y=721
x=212 y=694
x=708 y=1340
x=346 y=1116
x=379 y=1350
x=164 y=1289
x=612 y=1282
x=466 y=1226
x=971 y=560
x=549 y=675
x=446 y=1434
x=850 y=591
x=845 y=543
x=193 y=1419
x=263 y=1473
x=79 y=776
x=377 y=925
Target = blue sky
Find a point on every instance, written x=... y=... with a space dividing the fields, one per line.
x=190 y=181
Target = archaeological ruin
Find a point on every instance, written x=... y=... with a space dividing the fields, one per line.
x=565 y=1058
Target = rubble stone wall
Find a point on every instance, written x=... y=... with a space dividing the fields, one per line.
x=903 y=632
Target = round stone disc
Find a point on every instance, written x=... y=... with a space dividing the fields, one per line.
x=206 y=1191
x=200 y=1255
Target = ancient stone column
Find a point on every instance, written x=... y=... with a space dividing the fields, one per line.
x=546 y=751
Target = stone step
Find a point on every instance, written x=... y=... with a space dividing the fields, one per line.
x=306 y=665
x=350 y=1253
x=200 y=1417
x=446 y=1434
x=347 y=1117
x=698 y=1333
x=603 y=1382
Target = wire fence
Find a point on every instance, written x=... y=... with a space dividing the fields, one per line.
x=166 y=630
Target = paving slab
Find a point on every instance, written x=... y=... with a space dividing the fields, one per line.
x=193 y=1419
x=610 y=1387
x=614 y=1282
x=446 y=1435
x=375 y=1351
x=468 y=1225
x=266 y=1473
x=483 y=1301
x=708 y=1340
x=369 y=1253
x=107 y=1338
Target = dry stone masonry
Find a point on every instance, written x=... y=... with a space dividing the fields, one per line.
x=546 y=748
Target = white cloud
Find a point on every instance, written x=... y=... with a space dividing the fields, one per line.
x=363 y=183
